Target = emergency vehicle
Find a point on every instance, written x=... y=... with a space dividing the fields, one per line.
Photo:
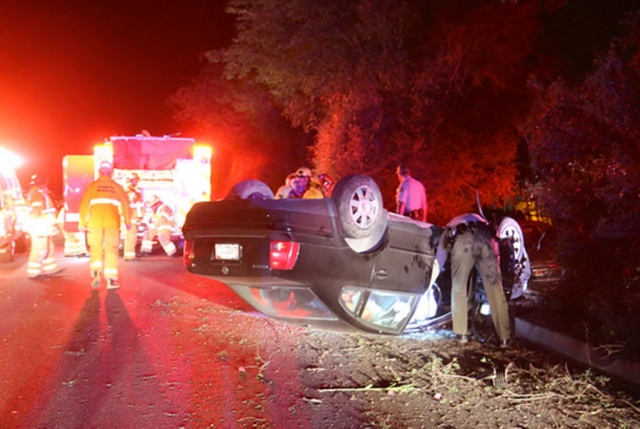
x=176 y=169
x=13 y=209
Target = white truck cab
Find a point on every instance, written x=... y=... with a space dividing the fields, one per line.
x=13 y=209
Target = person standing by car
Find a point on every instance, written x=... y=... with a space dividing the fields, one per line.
x=469 y=240
x=136 y=212
x=161 y=225
x=411 y=197
x=103 y=205
x=42 y=222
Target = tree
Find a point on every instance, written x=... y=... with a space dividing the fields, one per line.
x=376 y=83
x=584 y=149
x=251 y=138
x=585 y=153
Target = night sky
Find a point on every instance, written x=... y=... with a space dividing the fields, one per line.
x=75 y=72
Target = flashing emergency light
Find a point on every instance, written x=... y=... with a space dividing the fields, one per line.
x=103 y=152
x=202 y=152
x=9 y=159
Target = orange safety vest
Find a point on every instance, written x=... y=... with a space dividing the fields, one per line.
x=103 y=204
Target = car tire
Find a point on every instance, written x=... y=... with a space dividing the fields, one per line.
x=361 y=215
x=519 y=269
x=8 y=252
x=23 y=242
x=251 y=189
x=509 y=228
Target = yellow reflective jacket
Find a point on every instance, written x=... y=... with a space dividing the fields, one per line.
x=42 y=218
x=103 y=203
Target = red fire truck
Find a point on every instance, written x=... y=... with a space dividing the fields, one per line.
x=176 y=169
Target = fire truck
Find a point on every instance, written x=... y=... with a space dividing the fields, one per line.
x=13 y=210
x=175 y=169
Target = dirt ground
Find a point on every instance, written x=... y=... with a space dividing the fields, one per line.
x=271 y=374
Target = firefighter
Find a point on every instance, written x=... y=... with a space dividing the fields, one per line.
x=161 y=225
x=302 y=184
x=41 y=227
x=285 y=190
x=320 y=187
x=136 y=212
x=103 y=204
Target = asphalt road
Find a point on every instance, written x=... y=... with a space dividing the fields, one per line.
x=131 y=358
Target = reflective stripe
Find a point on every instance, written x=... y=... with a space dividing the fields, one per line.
x=147 y=246
x=110 y=201
x=49 y=266
x=71 y=217
x=170 y=248
x=34 y=268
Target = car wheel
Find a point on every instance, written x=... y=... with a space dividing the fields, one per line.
x=361 y=215
x=23 y=243
x=514 y=261
x=8 y=252
x=510 y=229
x=251 y=189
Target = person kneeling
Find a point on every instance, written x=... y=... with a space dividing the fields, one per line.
x=161 y=225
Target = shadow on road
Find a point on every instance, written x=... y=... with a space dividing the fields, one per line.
x=96 y=374
x=87 y=327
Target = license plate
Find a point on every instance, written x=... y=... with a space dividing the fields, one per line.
x=226 y=252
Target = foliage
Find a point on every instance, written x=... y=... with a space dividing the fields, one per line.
x=258 y=142
x=585 y=155
x=584 y=148
x=377 y=83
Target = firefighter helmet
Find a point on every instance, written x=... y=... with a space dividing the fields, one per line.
x=105 y=167
x=326 y=183
x=303 y=172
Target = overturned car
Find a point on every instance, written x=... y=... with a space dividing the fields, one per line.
x=338 y=262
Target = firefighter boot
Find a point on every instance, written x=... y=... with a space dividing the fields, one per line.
x=112 y=284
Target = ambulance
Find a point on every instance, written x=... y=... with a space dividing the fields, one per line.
x=13 y=209
x=176 y=169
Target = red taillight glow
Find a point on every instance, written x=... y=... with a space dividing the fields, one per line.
x=188 y=256
x=283 y=254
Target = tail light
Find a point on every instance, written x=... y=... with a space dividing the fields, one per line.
x=188 y=255
x=283 y=254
